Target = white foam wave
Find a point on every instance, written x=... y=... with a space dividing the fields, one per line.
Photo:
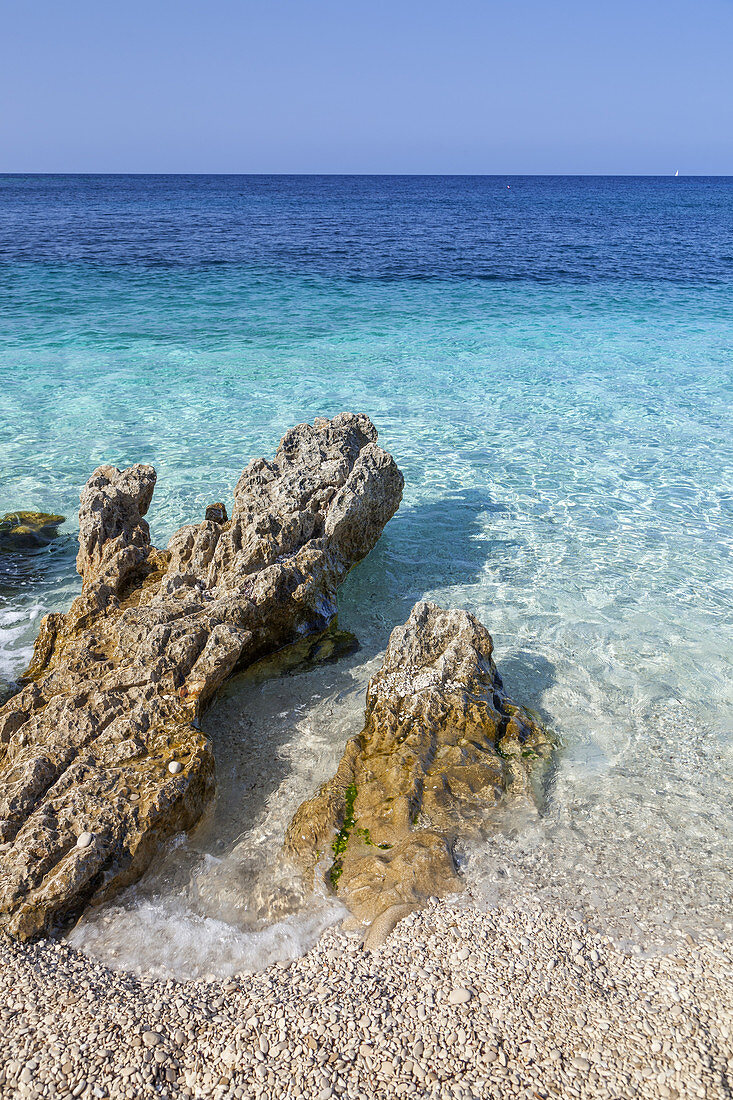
x=18 y=628
x=165 y=938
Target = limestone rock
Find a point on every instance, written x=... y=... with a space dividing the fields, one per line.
x=116 y=686
x=25 y=530
x=441 y=747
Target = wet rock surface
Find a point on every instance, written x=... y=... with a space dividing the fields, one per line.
x=114 y=692
x=442 y=747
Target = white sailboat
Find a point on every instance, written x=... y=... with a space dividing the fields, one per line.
x=677 y=172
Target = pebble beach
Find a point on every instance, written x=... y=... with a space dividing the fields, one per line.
x=458 y=1002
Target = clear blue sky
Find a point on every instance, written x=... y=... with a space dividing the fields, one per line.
x=367 y=86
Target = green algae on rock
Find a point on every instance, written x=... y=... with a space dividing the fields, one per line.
x=442 y=747
x=116 y=686
x=26 y=530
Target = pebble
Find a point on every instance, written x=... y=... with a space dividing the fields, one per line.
x=342 y=1022
x=175 y=767
x=459 y=996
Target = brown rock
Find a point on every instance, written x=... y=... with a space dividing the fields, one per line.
x=441 y=747
x=116 y=686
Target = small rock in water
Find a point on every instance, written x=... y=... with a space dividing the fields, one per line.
x=27 y=530
x=175 y=767
x=459 y=996
x=438 y=661
x=84 y=840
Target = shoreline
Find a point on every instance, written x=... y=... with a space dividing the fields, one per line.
x=458 y=1003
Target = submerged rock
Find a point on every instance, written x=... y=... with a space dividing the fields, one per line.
x=442 y=747
x=25 y=530
x=115 y=688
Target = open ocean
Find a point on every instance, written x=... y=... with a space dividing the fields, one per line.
x=549 y=360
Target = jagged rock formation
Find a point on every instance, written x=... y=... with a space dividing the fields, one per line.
x=22 y=530
x=101 y=753
x=441 y=746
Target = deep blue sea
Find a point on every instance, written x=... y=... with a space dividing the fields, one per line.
x=550 y=360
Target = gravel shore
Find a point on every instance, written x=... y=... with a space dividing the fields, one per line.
x=458 y=1003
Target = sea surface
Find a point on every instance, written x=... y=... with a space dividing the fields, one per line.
x=550 y=362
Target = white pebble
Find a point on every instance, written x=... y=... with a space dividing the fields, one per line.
x=84 y=840
x=459 y=996
x=175 y=767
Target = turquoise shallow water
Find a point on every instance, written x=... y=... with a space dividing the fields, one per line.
x=567 y=447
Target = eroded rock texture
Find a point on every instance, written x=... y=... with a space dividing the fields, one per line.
x=104 y=739
x=441 y=746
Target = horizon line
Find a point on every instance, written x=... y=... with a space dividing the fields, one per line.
x=396 y=175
